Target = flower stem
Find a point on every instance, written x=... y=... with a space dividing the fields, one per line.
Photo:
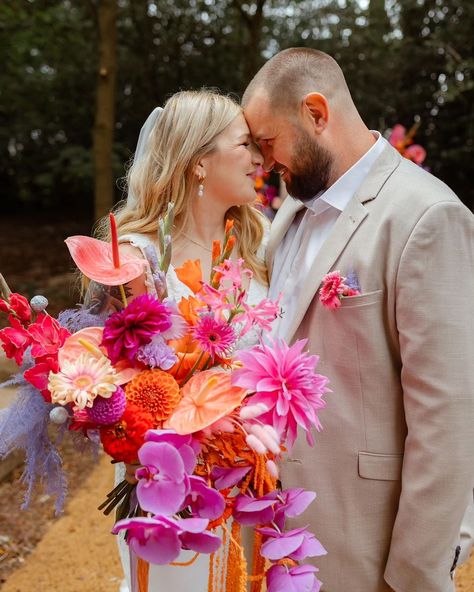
x=124 y=297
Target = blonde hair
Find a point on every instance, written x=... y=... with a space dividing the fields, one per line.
x=185 y=132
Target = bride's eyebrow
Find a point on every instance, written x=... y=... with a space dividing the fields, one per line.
x=245 y=136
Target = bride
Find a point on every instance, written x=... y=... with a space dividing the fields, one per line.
x=196 y=153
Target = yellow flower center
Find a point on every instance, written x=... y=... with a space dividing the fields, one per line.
x=82 y=382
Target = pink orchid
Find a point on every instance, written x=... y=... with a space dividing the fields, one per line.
x=284 y=381
x=95 y=259
x=228 y=477
x=15 y=340
x=187 y=446
x=260 y=315
x=292 y=503
x=162 y=480
x=48 y=336
x=160 y=539
x=296 y=579
x=250 y=511
x=297 y=544
x=203 y=501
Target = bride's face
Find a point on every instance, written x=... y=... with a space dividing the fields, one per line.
x=229 y=169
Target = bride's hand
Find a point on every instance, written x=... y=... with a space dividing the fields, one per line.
x=130 y=473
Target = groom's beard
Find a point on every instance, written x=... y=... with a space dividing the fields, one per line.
x=310 y=168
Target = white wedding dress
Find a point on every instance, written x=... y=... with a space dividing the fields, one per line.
x=167 y=578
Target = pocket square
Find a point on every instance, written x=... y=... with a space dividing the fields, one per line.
x=335 y=287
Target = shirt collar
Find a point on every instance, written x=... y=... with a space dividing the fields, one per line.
x=342 y=191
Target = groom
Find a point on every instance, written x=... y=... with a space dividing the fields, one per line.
x=393 y=466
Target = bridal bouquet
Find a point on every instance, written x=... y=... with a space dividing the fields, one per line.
x=161 y=384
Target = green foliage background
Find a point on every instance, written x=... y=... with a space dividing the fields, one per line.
x=404 y=60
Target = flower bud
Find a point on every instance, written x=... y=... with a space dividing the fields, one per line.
x=255 y=444
x=58 y=415
x=39 y=303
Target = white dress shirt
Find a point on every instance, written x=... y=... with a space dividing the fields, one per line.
x=297 y=252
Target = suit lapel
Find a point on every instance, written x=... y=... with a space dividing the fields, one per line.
x=347 y=223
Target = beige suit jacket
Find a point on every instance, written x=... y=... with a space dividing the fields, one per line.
x=393 y=466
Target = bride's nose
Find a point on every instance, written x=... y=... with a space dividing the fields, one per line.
x=257 y=156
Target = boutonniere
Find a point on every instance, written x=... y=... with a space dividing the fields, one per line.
x=335 y=287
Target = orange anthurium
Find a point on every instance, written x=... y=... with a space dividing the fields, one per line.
x=90 y=339
x=206 y=398
x=95 y=259
x=190 y=273
x=188 y=352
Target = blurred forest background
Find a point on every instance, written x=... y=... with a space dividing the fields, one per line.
x=78 y=78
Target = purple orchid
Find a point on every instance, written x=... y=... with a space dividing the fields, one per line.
x=228 y=477
x=296 y=544
x=162 y=481
x=296 y=579
x=291 y=503
x=250 y=511
x=187 y=446
x=204 y=501
x=152 y=539
x=160 y=539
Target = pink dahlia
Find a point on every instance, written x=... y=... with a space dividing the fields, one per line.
x=213 y=336
x=127 y=330
x=284 y=381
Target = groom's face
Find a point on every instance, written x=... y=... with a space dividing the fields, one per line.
x=289 y=149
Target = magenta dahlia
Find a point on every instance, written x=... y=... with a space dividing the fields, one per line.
x=127 y=330
x=284 y=381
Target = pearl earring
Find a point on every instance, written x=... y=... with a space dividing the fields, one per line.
x=201 y=186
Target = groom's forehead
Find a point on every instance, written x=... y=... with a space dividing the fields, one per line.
x=259 y=117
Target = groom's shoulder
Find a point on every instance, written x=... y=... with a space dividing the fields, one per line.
x=411 y=190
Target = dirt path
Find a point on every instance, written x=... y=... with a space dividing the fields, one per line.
x=77 y=553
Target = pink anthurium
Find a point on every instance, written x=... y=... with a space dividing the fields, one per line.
x=95 y=259
x=74 y=346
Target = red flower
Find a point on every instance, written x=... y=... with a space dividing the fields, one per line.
x=332 y=289
x=15 y=340
x=123 y=440
x=18 y=305
x=48 y=336
x=38 y=375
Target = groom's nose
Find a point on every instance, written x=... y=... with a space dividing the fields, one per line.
x=268 y=160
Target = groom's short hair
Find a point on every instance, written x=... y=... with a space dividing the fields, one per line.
x=295 y=72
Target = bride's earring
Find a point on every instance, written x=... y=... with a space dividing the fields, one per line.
x=201 y=186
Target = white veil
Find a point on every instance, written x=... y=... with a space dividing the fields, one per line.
x=142 y=144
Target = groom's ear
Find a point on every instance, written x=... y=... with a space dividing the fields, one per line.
x=316 y=110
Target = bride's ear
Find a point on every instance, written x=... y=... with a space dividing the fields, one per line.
x=199 y=171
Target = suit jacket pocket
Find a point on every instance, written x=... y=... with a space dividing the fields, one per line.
x=384 y=467
x=363 y=299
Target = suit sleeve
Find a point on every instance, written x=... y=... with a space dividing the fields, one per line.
x=435 y=320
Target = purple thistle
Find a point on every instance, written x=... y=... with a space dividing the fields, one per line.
x=108 y=411
x=214 y=337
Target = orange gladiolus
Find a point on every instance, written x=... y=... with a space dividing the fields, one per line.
x=188 y=353
x=190 y=273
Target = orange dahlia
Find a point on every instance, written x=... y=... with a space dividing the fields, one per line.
x=154 y=391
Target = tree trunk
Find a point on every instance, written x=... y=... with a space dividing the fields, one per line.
x=105 y=107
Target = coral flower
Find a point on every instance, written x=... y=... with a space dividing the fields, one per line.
x=155 y=391
x=96 y=261
x=188 y=353
x=48 y=336
x=81 y=381
x=207 y=397
x=127 y=330
x=213 y=336
x=190 y=273
x=284 y=380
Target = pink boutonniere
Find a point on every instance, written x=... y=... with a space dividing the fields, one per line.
x=335 y=287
